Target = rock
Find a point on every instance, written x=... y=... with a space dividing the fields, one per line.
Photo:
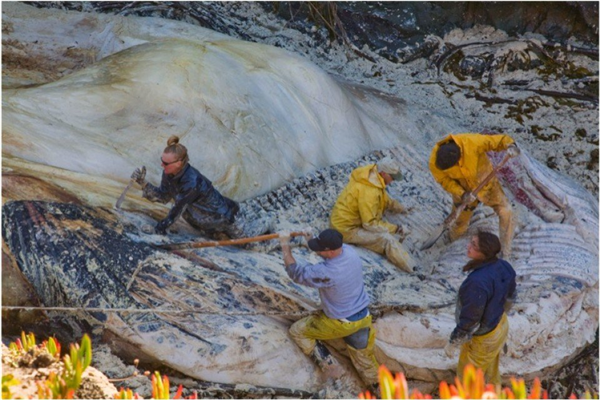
x=473 y=66
x=95 y=385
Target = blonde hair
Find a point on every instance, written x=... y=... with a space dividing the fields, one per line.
x=180 y=150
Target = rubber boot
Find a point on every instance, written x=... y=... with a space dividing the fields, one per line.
x=331 y=368
x=373 y=388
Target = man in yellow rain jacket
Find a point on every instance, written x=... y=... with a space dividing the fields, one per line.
x=358 y=212
x=459 y=163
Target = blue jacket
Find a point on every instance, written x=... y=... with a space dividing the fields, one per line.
x=482 y=297
x=339 y=280
x=194 y=194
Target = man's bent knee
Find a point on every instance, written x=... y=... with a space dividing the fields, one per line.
x=298 y=334
x=505 y=213
x=359 y=339
x=297 y=328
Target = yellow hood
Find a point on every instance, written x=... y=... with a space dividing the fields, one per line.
x=361 y=175
x=362 y=203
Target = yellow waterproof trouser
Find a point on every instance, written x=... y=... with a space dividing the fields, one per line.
x=484 y=352
x=382 y=243
x=496 y=199
x=307 y=331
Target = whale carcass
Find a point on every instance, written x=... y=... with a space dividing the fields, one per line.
x=283 y=135
x=238 y=313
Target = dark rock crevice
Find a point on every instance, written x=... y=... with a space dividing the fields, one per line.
x=397 y=29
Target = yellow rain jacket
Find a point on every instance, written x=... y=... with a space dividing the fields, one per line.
x=362 y=203
x=473 y=165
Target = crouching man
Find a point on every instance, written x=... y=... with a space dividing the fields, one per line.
x=358 y=213
x=344 y=302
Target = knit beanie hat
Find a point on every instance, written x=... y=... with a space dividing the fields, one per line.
x=389 y=166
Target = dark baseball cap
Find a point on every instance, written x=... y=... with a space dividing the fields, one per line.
x=329 y=239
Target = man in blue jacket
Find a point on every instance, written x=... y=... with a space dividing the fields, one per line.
x=345 y=312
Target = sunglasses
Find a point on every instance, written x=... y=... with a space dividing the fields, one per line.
x=163 y=162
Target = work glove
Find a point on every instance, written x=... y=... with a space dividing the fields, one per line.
x=450 y=349
x=396 y=207
x=401 y=233
x=161 y=228
x=284 y=238
x=468 y=197
x=513 y=150
x=139 y=176
x=308 y=234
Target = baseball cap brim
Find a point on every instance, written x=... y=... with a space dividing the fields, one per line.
x=329 y=239
x=314 y=245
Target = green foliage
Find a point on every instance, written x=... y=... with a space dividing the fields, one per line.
x=27 y=341
x=7 y=382
x=77 y=361
x=13 y=348
x=55 y=387
x=126 y=394
x=65 y=385
x=53 y=347
x=472 y=386
x=160 y=386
